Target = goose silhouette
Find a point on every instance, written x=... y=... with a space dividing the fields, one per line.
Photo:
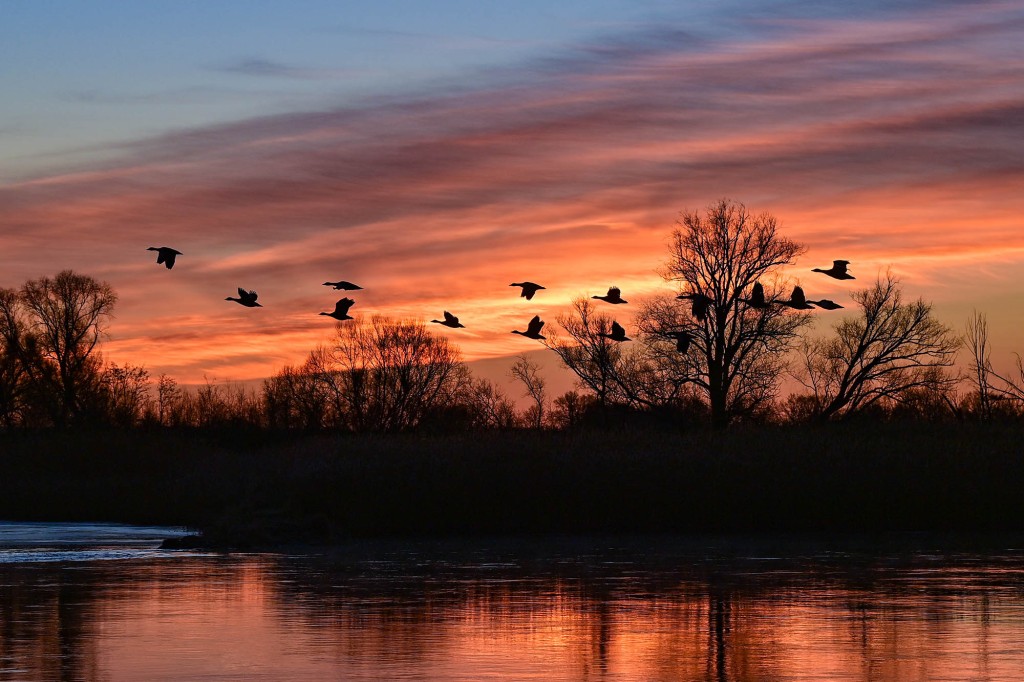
x=246 y=298
x=700 y=304
x=683 y=339
x=757 y=299
x=529 y=289
x=826 y=304
x=165 y=255
x=450 y=321
x=797 y=300
x=613 y=296
x=340 y=311
x=617 y=333
x=838 y=270
x=343 y=286
x=532 y=329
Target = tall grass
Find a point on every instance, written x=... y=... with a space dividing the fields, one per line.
x=248 y=487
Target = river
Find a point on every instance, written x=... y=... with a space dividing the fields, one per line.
x=103 y=602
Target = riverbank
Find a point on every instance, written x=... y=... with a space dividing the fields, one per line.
x=253 y=489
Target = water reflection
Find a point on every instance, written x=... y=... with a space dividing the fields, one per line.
x=591 y=609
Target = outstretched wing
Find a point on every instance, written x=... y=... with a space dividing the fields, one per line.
x=617 y=330
x=342 y=306
x=536 y=324
x=798 y=297
x=614 y=292
x=449 y=318
x=757 y=295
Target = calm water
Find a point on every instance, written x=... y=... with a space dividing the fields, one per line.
x=88 y=602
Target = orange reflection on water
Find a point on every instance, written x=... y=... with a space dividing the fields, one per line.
x=263 y=617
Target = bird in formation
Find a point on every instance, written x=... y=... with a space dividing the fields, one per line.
x=700 y=304
x=529 y=289
x=165 y=255
x=826 y=304
x=343 y=286
x=757 y=299
x=246 y=298
x=613 y=296
x=449 y=321
x=838 y=270
x=340 y=311
x=682 y=338
x=532 y=329
x=797 y=300
x=617 y=333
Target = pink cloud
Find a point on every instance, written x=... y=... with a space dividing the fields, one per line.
x=877 y=141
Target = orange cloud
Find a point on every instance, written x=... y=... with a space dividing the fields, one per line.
x=880 y=141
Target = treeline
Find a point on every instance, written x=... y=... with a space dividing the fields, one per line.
x=711 y=352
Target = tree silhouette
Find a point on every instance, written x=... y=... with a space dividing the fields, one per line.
x=885 y=354
x=738 y=352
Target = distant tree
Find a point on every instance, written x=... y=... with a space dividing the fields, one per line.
x=885 y=354
x=390 y=373
x=738 y=352
x=980 y=371
x=66 y=318
x=527 y=372
x=488 y=406
x=125 y=394
x=625 y=374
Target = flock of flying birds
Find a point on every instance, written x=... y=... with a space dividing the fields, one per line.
x=700 y=303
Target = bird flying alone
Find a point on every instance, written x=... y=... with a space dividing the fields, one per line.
x=343 y=286
x=340 y=311
x=838 y=270
x=617 y=333
x=449 y=321
x=532 y=329
x=246 y=298
x=613 y=296
x=529 y=289
x=165 y=255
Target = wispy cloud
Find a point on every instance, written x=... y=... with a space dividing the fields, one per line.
x=895 y=138
x=261 y=67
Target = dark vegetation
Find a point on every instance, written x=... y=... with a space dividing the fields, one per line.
x=273 y=488
x=383 y=430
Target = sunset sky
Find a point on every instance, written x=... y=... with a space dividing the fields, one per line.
x=435 y=152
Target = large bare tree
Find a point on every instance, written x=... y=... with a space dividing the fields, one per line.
x=53 y=326
x=737 y=351
x=884 y=354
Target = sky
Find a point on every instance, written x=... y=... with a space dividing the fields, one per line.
x=436 y=152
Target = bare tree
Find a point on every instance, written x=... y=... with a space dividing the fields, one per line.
x=126 y=390
x=527 y=373
x=884 y=354
x=616 y=373
x=67 y=315
x=976 y=340
x=738 y=351
x=393 y=372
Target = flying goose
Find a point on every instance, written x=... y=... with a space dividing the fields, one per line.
x=340 y=311
x=838 y=270
x=700 y=304
x=826 y=304
x=532 y=329
x=757 y=299
x=682 y=338
x=246 y=298
x=343 y=285
x=797 y=301
x=613 y=296
x=165 y=255
x=529 y=289
x=450 y=321
x=617 y=333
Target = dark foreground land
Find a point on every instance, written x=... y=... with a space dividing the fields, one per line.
x=251 y=488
